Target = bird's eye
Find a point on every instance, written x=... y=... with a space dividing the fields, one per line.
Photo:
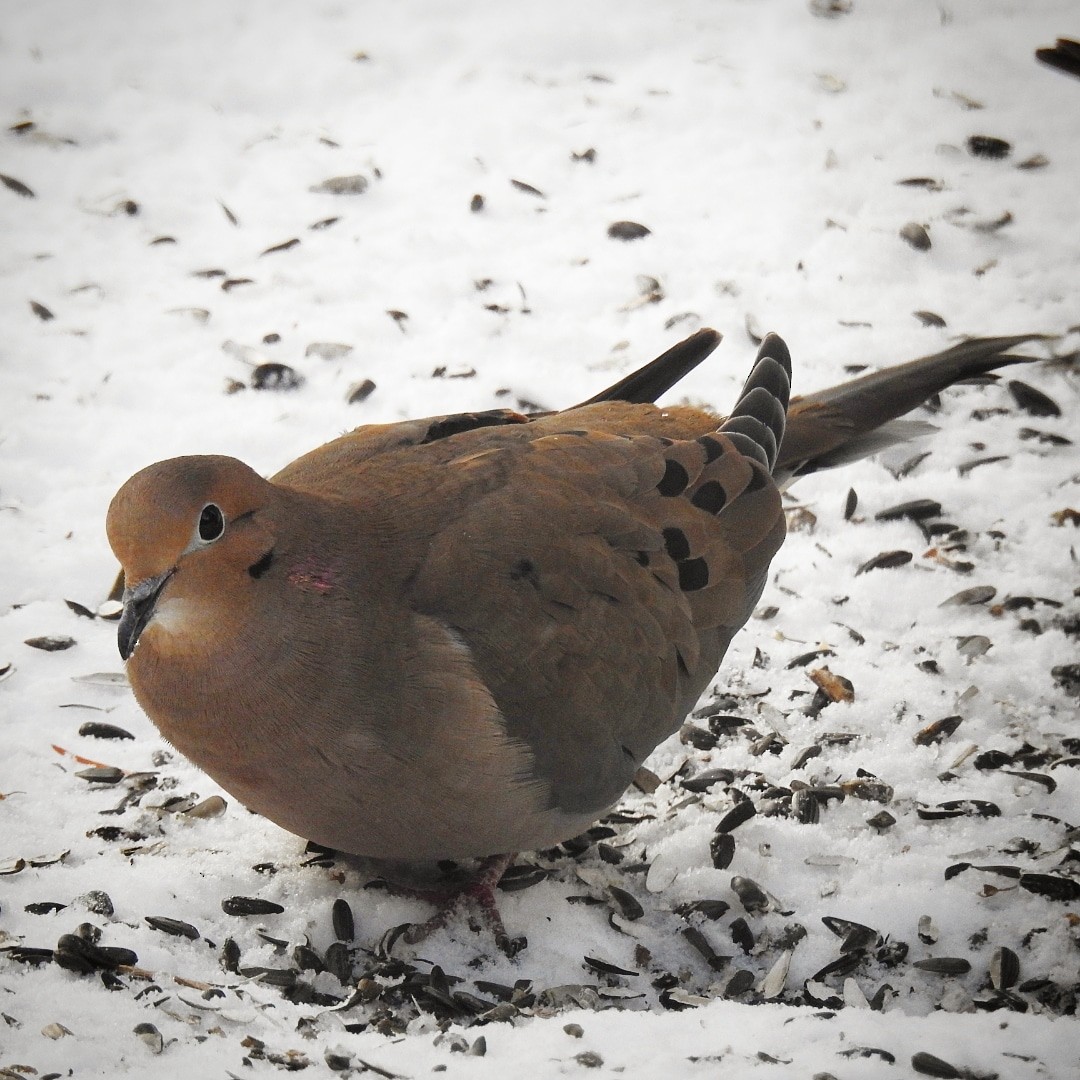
x=211 y=523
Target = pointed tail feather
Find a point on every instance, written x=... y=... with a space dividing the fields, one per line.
x=756 y=424
x=655 y=378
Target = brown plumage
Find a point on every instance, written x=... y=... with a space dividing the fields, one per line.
x=460 y=636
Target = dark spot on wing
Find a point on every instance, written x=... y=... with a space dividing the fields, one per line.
x=713 y=447
x=758 y=479
x=674 y=481
x=678 y=547
x=710 y=497
x=693 y=574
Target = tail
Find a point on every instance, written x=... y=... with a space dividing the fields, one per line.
x=858 y=418
x=756 y=424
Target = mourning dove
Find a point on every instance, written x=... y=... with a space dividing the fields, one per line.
x=461 y=636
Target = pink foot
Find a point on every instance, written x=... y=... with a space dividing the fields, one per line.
x=477 y=891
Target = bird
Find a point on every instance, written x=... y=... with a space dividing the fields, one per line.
x=459 y=637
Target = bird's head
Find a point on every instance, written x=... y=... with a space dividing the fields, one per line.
x=192 y=534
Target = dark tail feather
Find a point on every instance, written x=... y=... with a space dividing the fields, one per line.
x=756 y=424
x=648 y=383
x=859 y=418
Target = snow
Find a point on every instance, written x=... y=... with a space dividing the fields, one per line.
x=762 y=144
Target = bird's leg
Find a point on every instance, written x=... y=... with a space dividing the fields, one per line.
x=479 y=891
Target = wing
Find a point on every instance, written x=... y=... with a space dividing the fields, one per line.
x=597 y=577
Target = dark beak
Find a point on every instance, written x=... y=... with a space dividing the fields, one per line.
x=139 y=603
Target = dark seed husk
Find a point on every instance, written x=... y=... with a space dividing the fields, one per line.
x=95 y=729
x=101 y=774
x=988 y=146
x=968 y=466
x=722 y=850
x=910 y=465
x=916 y=510
x=885 y=560
x=808 y=657
x=1004 y=968
x=284 y=978
x=992 y=759
x=929 y=1065
x=338 y=962
x=977 y=594
x=1033 y=401
x=355 y=184
x=1051 y=438
x=703 y=781
x=50 y=642
x=521 y=185
x=741 y=812
x=698 y=737
x=360 y=391
x=944 y=965
x=230 y=956
x=95 y=901
x=341 y=916
x=627 y=230
x=711 y=909
x=751 y=895
x=175 y=927
x=274 y=376
x=602 y=967
x=958 y=808
x=856 y=936
x=1051 y=886
x=285 y=245
x=742 y=935
x=702 y=946
x=250 y=905
x=850 y=504
x=1047 y=782
x=806 y=807
x=17 y=186
x=881 y=821
x=44 y=907
x=805 y=755
x=628 y=906
x=869 y=1052
x=307 y=959
x=937 y=730
x=739 y=983
x=916 y=235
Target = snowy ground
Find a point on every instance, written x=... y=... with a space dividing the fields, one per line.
x=168 y=154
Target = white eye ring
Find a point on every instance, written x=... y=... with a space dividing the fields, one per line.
x=211 y=525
